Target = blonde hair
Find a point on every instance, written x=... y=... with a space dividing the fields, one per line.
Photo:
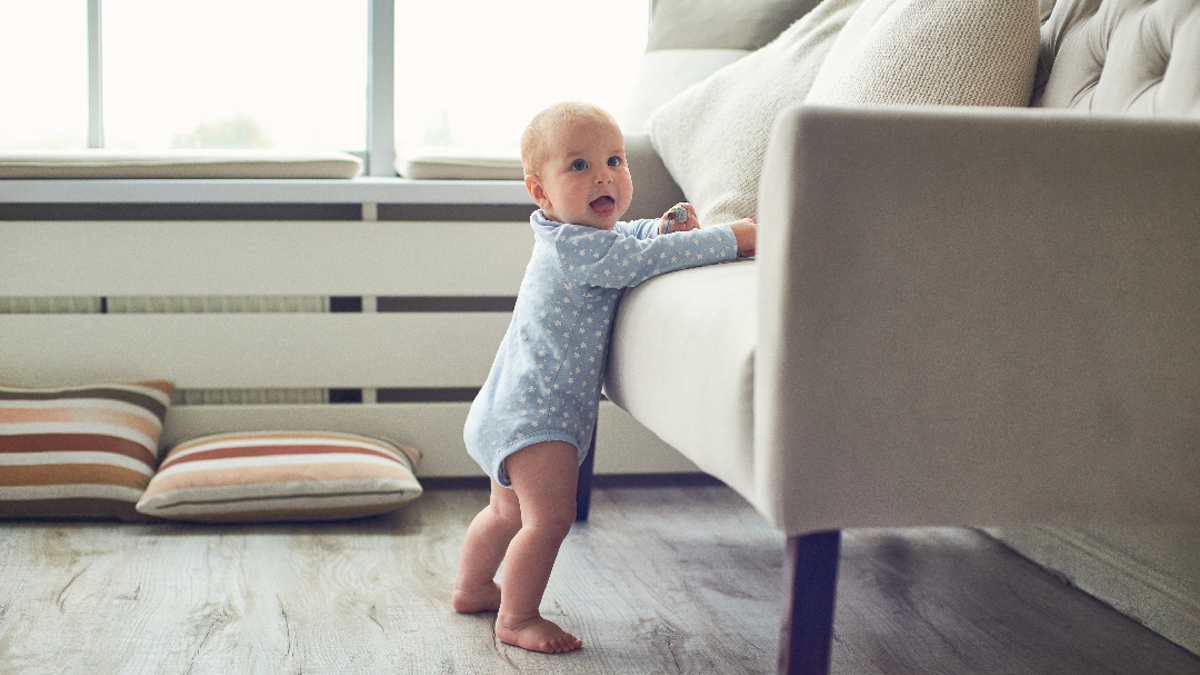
x=534 y=141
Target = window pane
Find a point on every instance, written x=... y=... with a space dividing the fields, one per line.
x=44 y=76
x=235 y=73
x=472 y=73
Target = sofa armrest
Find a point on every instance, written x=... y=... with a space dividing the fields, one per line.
x=976 y=317
x=654 y=190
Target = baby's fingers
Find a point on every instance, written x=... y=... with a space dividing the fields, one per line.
x=692 y=222
x=680 y=218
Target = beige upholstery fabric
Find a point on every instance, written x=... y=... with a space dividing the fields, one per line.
x=692 y=382
x=941 y=52
x=103 y=163
x=975 y=316
x=721 y=24
x=713 y=136
x=967 y=316
x=1122 y=56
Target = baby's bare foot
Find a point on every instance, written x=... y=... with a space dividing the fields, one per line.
x=486 y=599
x=537 y=635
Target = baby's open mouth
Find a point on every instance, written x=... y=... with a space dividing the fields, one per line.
x=603 y=206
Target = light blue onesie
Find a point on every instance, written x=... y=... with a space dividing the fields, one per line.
x=545 y=382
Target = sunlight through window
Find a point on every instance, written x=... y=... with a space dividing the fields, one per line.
x=44 y=79
x=293 y=74
x=489 y=67
x=235 y=74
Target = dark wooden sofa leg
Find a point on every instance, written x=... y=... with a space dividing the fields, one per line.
x=808 y=625
x=583 y=491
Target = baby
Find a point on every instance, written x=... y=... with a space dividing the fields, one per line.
x=531 y=425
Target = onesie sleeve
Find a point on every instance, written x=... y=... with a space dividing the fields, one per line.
x=639 y=229
x=613 y=259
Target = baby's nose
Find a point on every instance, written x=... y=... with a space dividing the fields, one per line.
x=604 y=175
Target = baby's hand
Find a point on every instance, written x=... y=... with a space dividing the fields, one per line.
x=671 y=223
x=746 y=232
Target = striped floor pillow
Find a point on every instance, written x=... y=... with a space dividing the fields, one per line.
x=277 y=475
x=79 y=452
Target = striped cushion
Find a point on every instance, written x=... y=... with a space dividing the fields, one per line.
x=279 y=475
x=79 y=452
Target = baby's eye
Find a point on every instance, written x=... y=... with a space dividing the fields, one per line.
x=579 y=165
x=614 y=161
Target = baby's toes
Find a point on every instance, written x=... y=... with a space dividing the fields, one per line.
x=565 y=643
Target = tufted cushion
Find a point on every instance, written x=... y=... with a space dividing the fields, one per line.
x=1122 y=56
x=932 y=52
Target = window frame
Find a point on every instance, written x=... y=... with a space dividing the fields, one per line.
x=380 y=154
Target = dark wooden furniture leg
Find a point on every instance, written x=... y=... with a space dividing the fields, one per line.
x=583 y=492
x=808 y=626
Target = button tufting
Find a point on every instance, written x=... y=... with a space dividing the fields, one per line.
x=1138 y=57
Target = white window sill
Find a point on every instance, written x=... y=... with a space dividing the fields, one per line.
x=263 y=191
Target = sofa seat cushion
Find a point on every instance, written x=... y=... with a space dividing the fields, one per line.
x=190 y=163
x=681 y=362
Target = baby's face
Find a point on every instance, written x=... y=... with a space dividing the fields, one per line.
x=584 y=179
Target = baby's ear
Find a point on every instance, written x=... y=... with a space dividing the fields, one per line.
x=534 y=185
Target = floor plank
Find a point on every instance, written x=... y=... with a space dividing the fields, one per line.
x=660 y=580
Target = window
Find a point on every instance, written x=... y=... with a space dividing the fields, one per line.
x=40 y=43
x=235 y=73
x=297 y=74
x=480 y=78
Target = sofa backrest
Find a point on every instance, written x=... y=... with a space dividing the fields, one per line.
x=1139 y=57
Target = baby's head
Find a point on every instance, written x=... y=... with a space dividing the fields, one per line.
x=574 y=160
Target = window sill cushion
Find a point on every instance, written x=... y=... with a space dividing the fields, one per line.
x=455 y=164
x=191 y=163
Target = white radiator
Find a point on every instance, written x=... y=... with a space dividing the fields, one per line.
x=238 y=315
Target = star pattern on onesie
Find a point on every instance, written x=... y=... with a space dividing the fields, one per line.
x=546 y=378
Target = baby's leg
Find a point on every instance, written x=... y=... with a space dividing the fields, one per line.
x=475 y=588
x=544 y=476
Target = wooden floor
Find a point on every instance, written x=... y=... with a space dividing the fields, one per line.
x=661 y=580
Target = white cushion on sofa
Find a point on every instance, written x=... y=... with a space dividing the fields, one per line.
x=664 y=73
x=933 y=52
x=190 y=163
x=713 y=136
x=691 y=381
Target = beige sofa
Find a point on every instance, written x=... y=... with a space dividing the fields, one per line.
x=958 y=315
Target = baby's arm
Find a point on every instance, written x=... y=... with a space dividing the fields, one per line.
x=746 y=232
x=682 y=218
x=619 y=260
x=668 y=222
